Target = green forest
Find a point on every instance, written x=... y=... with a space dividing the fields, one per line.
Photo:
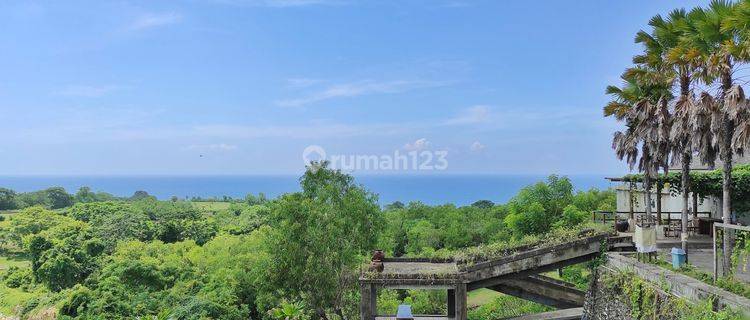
x=95 y=256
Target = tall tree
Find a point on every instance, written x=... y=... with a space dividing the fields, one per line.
x=318 y=239
x=667 y=53
x=657 y=45
x=714 y=32
x=641 y=103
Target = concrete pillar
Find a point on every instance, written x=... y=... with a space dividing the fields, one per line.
x=451 y=303
x=374 y=300
x=460 y=303
x=367 y=301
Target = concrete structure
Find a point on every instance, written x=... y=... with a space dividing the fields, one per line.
x=543 y=290
x=679 y=285
x=671 y=204
x=516 y=274
x=564 y=314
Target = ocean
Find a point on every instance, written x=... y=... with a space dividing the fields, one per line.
x=429 y=189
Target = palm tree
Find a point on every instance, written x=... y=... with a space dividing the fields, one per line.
x=626 y=143
x=714 y=32
x=658 y=44
x=641 y=103
x=740 y=21
x=665 y=50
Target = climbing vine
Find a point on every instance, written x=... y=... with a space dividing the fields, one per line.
x=648 y=301
x=741 y=251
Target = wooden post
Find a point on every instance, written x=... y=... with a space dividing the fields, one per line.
x=460 y=296
x=451 y=303
x=631 y=198
x=716 y=258
x=367 y=301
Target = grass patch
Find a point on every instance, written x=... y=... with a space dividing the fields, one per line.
x=211 y=205
x=579 y=275
x=12 y=297
x=481 y=297
x=505 y=306
x=13 y=260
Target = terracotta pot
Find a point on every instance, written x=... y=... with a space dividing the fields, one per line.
x=378 y=255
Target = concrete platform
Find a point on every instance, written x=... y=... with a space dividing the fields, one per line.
x=694 y=242
x=703 y=259
x=564 y=314
x=417 y=268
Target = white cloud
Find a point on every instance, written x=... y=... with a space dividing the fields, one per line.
x=419 y=144
x=212 y=147
x=86 y=90
x=472 y=115
x=280 y=3
x=354 y=89
x=152 y=20
x=476 y=146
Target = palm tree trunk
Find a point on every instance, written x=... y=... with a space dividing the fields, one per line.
x=685 y=161
x=647 y=193
x=659 y=186
x=725 y=148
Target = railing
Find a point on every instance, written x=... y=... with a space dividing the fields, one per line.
x=605 y=216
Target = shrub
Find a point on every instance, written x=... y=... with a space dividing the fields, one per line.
x=17 y=277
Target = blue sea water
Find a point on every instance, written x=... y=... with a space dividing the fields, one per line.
x=429 y=189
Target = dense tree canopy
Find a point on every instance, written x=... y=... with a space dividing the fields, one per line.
x=297 y=255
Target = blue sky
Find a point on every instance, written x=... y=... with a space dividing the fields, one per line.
x=243 y=86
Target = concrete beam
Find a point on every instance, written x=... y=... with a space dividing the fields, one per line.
x=543 y=290
x=535 y=259
x=565 y=314
x=486 y=283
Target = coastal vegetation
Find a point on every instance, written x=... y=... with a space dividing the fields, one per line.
x=296 y=256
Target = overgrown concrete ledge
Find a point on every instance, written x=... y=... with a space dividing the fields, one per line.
x=678 y=284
